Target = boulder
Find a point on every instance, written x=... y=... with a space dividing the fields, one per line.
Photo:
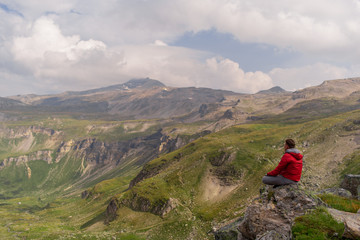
x=272 y=214
x=351 y=222
x=338 y=191
x=85 y=194
x=229 y=231
x=272 y=235
x=351 y=182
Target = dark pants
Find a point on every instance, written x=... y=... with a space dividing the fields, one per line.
x=277 y=180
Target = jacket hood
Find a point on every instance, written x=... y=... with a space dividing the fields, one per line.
x=295 y=153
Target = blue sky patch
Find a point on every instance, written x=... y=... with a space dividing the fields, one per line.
x=9 y=10
x=250 y=56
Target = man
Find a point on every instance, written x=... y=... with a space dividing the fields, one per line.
x=289 y=169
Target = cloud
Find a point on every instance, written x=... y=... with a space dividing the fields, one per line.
x=310 y=75
x=302 y=26
x=67 y=62
x=86 y=44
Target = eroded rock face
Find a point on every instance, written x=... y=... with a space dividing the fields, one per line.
x=143 y=204
x=111 y=210
x=140 y=204
x=338 y=191
x=351 y=182
x=271 y=216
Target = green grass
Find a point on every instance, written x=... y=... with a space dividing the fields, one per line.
x=317 y=225
x=250 y=150
x=352 y=164
x=341 y=203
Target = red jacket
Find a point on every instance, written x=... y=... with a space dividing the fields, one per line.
x=290 y=165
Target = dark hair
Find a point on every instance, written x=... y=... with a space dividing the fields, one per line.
x=290 y=142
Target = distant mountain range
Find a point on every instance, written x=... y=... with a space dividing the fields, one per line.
x=159 y=162
x=151 y=99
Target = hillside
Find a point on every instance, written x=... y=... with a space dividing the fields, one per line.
x=160 y=162
x=211 y=180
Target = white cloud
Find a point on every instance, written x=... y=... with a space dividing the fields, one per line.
x=59 y=61
x=46 y=38
x=92 y=43
x=312 y=27
x=310 y=75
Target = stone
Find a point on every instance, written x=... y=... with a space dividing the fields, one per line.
x=338 y=191
x=272 y=214
x=351 y=222
x=84 y=194
x=228 y=232
x=272 y=235
x=351 y=182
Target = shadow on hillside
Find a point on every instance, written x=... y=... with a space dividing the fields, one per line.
x=99 y=218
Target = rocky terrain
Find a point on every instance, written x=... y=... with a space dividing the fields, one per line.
x=158 y=162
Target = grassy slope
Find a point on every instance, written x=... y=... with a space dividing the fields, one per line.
x=255 y=149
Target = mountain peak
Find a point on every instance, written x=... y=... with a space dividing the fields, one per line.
x=144 y=83
x=275 y=89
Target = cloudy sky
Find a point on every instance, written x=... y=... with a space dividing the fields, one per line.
x=239 y=45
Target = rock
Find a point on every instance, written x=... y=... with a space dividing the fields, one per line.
x=229 y=231
x=272 y=235
x=203 y=110
x=141 y=204
x=272 y=215
x=227 y=235
x=228 y=115
x=351 y=222
x=219 y=159
x=111 y=210
x=84 y=194
x=338 y=191
x=171 y=204
x=351 y=182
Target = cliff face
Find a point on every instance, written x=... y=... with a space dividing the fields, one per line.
x=38 y=155
x=86 y=159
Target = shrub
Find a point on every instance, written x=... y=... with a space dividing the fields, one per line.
x=317 y=225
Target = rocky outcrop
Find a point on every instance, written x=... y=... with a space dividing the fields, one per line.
x=203 y=110
x=149 y=171
x=228 y=115
x=272 y=214
x=39 y=155
x=351 y=182
x=25 y=131
x=351 y=222
x=337 y=191
x=111 y=210
x=141 y=204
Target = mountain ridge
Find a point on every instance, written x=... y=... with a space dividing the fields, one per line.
x=170 y=162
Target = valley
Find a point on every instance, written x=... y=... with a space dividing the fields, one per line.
x=142 y=160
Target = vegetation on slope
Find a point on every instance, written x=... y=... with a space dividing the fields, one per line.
x=212 y=179
x=318 y=225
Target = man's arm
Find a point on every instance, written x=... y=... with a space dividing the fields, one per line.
x=281 y=166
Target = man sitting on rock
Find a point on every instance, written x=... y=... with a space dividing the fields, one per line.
x=289 y=169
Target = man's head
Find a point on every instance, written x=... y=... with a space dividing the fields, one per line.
x=290 y=143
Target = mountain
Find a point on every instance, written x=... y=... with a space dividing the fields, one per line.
x=158 y=162
x=9 y=103
x=136 y=99
x=272 y=90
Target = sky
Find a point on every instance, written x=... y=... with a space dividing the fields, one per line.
x=244 y=46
